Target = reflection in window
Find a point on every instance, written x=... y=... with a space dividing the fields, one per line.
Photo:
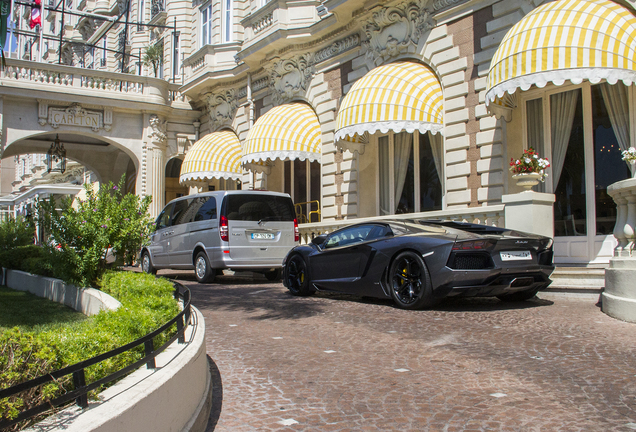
x=568 y=163
x=611 y=125
x=397 y=194
x=206 y=26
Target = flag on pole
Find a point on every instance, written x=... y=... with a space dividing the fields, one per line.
x=36 y=14
x=5 y=9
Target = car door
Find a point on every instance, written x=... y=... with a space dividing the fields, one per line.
x=180 y=255
x=159 y=239
x=343 y=258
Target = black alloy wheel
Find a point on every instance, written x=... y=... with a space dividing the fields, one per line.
x=202 y=270
x=146 y=264
x=410 y=282
x=297 y=277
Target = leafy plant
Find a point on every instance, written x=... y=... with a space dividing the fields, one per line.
x=153 y=56
x=84 y=232
x=16 y=232
x=529 y=162
x=147 y=303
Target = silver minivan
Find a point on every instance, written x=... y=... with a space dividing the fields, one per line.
x=212 y=231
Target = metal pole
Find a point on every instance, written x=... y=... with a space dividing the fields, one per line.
x=175 y=55
x=123 y=56
x=59 y=57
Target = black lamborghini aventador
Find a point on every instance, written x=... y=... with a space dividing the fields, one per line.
x=417 y=263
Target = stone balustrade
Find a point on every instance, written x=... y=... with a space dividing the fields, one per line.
x=624 y=195
x=72 y=80
x=489 y=215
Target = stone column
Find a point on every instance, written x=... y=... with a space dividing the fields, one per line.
x=530 y=212
x=156 y=164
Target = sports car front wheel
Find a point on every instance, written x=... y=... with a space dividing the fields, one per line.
x=410 y=282
x=297 y=277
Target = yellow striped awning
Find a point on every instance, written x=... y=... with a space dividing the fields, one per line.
x=216 y=155
x=573 y=40
x=396 y=96
x=289 y=131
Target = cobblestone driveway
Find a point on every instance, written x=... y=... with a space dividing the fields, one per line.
x=342 y=363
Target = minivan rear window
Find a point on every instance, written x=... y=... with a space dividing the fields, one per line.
x=252 y=207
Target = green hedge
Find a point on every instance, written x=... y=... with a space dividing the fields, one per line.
x=147 y=303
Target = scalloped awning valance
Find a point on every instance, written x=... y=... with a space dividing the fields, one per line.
x=402 y=96
x=573 y=40
x=289 y=131
x=216 y=155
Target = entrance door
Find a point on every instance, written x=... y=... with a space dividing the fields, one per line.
x=587 y=126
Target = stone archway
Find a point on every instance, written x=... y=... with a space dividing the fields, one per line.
x=107 y=160
x=173 y=188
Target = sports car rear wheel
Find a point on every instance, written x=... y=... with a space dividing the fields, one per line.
x=297 y=277
x=410 y=282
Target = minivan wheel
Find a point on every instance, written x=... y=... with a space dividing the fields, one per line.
x=272 y=275
x=146 y=264
x=202 y=269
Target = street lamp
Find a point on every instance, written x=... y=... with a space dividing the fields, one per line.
x=57 y=153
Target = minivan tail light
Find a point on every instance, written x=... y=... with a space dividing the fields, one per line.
x=223 y=229
x=296 y=232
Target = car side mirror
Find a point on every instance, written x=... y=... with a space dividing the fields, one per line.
x=319 y=240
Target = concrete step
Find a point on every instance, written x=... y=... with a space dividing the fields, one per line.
x=577 y=279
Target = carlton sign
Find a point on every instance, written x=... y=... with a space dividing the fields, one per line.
x=75 y=115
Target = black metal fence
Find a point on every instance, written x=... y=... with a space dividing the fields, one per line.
x=81 y=389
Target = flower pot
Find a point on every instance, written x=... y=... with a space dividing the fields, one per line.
x=527 y=180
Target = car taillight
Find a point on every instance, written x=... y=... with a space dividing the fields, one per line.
x=223 y=229
x=473 y=245
x=296 y=231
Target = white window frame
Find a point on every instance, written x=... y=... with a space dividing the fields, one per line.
x=206 y=23
x=141 y=14
x=228 y=15
x=416 y=172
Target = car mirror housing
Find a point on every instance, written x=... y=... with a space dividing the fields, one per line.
x=318 y=240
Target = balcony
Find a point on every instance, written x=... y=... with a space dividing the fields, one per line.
x=62 y=82
x=269 y=25
x=211 y=60
x=158 y=12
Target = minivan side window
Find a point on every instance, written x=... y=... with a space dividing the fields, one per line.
x=163 y=220
x=248 y=207
x=180 y=214
x=205 y=208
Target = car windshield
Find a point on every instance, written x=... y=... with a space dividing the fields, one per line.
x=252 y=207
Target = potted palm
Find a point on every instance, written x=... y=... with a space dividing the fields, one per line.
x=529 y=169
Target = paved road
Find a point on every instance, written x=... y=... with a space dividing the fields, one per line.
x=342 y=363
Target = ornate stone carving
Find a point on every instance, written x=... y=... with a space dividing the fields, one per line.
x=291 y=77
x=86 y=28
x=73 y=115
x=393 y=30
x=222 y=108
x=439 y=5
x=158 y=134
x=337 y=47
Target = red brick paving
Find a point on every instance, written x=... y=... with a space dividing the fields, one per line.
x=561 y=364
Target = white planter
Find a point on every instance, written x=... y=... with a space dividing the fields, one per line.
x=527 y=180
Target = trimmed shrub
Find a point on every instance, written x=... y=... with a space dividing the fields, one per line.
x=147 y=303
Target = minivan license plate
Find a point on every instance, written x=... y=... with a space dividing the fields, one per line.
x=515 y=255
x=262 y=236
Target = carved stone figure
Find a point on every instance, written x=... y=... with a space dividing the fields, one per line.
x=222 y=108
x=291 y=77
x=393 y=30
x=158 y=126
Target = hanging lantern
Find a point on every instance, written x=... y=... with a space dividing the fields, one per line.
x=57 y=153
